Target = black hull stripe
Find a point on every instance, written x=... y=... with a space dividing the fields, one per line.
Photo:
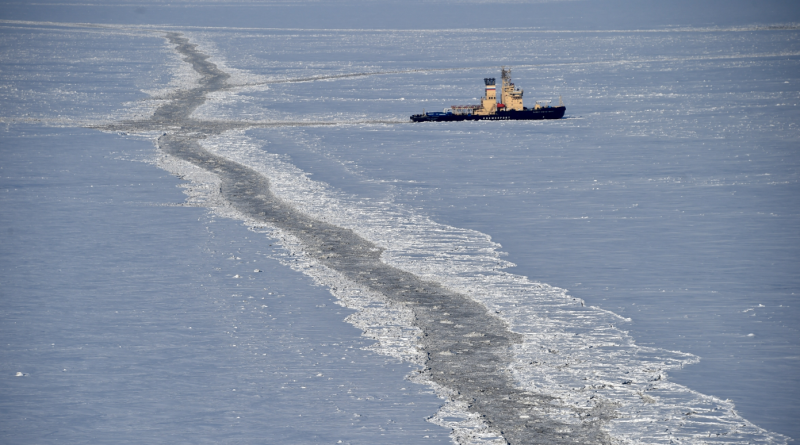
x=550 y=113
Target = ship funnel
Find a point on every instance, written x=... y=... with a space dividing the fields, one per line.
x=491 y=92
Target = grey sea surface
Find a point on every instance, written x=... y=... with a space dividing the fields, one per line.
x=678 y=210
x=134 y=319
x=128 y=317
x=668 y=195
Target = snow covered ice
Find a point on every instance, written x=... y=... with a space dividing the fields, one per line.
x=644 y=249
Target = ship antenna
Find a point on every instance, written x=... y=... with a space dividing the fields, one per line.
x=560 y=101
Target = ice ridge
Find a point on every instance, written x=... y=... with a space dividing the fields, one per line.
x=517 y=361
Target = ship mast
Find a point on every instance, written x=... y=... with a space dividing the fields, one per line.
x=511 y=97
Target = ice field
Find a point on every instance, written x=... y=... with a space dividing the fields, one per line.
x=644 y=249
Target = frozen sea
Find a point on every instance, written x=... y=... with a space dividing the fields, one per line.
x=647 y=246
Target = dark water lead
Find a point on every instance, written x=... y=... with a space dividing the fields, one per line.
x=468 y=356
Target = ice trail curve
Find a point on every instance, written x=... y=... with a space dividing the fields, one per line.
x=468 y=354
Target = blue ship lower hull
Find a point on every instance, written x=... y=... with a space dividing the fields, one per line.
x=542 y=113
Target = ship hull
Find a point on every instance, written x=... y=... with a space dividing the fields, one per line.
x=524 y=115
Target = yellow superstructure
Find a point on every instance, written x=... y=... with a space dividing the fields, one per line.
x=489 y=100
x=509 y=107
x=511 y=96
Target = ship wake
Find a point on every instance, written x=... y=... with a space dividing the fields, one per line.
x=516 y=361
